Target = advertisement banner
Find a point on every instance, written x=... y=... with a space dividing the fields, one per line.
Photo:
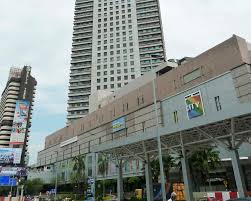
x=194 y=105
x=20 y=122
x=118 y=124
x=13 y=171
x=10 y=155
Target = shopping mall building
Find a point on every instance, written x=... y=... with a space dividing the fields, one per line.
x=205 y=100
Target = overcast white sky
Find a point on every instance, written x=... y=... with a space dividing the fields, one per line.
x=38 y=33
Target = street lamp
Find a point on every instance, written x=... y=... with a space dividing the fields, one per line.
x=56 y=182
x=162 y=175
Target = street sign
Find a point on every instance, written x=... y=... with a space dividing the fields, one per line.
x=7 y=181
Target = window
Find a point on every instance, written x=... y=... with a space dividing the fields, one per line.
x=105 y=79
x=105 y=86
x=132 y=77
x=125 y=77
x=112 y=78
x=112 y=86
x=119 y=78
x=217 y=103
x=98 y=80
x=175 y=117
x=192 y=75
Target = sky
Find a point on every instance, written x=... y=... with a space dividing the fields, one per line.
x=39 y=34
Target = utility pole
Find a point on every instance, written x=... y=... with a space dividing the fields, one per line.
x=162 y=175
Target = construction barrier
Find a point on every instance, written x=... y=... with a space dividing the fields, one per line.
x=222 y=196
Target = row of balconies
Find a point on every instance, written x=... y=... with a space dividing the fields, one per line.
x=83 y=1
x=69 y=109
x=153 y=49
x=84 y=12
x=82 y=36
x=147 y=15
x=83 y=5
x=79 y=86
x=146 y=5
x=150 y=43
x=147 y=9
x=72 y=80
x=84 y=72
x=150 y=38
x=84 y=42
x=148 y=20
x=149 y=26
x=81 y=53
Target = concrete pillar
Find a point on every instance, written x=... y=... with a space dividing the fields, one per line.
x=238 y=173
x=149 y=182
x=187 y=179
x=120 y=189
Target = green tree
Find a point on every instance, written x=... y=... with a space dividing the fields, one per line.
x=33 y=187
x=103 y=168
x=78 y=176
x=168 y=162
x=201 y=163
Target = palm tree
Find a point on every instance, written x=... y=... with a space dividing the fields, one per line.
x=202 y=162
x=168 y=163
x=78 y=175
x=103 y=168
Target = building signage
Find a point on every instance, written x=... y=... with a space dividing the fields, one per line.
x=118 y=124
x=11 y=171
x=70 y=141
x=20 y=121
x=7 y=181
x=194 y=105
x=10 y=155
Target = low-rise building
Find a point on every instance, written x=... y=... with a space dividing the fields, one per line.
x=198 y=100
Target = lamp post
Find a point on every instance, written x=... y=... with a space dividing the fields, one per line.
x=56 y=181
x=162 y=175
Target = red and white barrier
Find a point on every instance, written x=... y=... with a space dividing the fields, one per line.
x=221 y=196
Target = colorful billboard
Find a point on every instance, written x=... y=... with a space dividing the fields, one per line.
x=20 y=121
x=10 y=155
x=194 y=105
x=118 y=124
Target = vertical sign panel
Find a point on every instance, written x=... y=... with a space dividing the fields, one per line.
x=194 y=105
x=20 y=122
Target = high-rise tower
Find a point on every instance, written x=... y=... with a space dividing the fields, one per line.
x=16 y=112
x=113 y=43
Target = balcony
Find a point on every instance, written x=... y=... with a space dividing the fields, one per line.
x=5 y=138
x=78 y=100
x=69 y=109
x=79 y=93
x=12 y=104
x=8 y=118
x=5 y=128
x=3 y=132
x=11 y=96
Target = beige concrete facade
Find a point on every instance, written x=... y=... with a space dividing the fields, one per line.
x=137 y=105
